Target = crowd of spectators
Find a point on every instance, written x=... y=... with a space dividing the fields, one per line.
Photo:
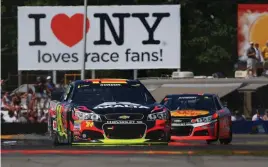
x=30 y=106
x=238 y=116
x=255 y=56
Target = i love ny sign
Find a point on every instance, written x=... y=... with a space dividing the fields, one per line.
x=118 y=37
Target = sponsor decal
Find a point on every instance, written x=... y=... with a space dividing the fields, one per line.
x=180 y=124
x=77 y=125
x=124 y=117
x=187 y=97
x=54 y=124
x=120 y=106
x=118 y=37
x=89 y=124
x=124 y=122
x=110 y=85
x=251 y=27
x=188 y=113
x=177 y=121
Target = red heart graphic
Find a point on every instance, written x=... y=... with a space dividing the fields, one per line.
x=69 y=30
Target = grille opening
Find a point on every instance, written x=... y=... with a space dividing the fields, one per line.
x=131 y=116
x=155 y=135
x=201 y=133
x=182 y=131
x=124 y=131
x=93 y=135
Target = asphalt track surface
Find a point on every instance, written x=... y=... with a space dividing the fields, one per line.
x=33 y=150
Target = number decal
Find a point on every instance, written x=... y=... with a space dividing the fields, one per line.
x=89 y=124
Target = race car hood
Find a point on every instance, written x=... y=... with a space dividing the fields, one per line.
x=189 y=113
x=119 y=107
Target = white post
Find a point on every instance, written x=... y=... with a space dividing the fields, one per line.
x=93 y=75
x=54 y=76
x=85 y=42
x=135 y=74
x=19 y=78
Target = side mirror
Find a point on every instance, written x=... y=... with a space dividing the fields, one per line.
x=224 y=104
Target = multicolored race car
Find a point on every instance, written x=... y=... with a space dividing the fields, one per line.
x=199 y=117
x=108 y=111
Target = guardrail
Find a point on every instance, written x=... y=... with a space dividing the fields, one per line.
x=242 y=127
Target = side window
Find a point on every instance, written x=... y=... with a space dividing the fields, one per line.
x=166 y=102
x=217 y=103
x=68 y=92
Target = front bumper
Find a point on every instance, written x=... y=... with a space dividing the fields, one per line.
x=198 y=131
x=85 y=132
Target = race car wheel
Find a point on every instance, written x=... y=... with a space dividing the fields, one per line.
x=55 y=139
x=167 y=137
x=228 y=140
x=69 y=132
x=212 y=141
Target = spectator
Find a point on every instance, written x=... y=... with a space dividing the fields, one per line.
x=30 y=98
x=50 y=84
x=265 y=57
x=257 y=116
x=238 y=116
x=259 y=59
x=2 y=118
x=251 y=61
x=40 y=93
x=265 y=117
x=32 y=116
x=10 y=117
x=23 y=118
x=16 y=101
x=6 y=102
x=42 y=117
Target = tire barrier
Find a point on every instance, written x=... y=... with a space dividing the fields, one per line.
x=241 y=127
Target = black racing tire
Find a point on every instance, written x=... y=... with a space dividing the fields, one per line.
x=69 y=132
x=167 y=137
x=55 y=139
x=228 y=140
x=213 y=141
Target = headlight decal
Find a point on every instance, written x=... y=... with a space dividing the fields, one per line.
x=87 y=116
x=202 y=119
x=157 y=116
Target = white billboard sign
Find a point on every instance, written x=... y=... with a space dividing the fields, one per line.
x=118 y=37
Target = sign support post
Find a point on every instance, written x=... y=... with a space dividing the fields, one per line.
x=135 y=74
x=93 y=74
x=54 y=76
x=85 y=41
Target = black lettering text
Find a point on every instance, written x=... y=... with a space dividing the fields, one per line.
x=114 y=57
x=118 y=38
x=46 y=58
x=102 y=57
x=56 y=57
x=74 y=57
x=150 y=30
x=143 y=56
x=37 y=40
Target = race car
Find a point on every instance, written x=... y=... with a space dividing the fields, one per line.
x=108 y=111
x=199 y=117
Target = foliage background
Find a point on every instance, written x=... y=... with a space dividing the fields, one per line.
x=209 y=42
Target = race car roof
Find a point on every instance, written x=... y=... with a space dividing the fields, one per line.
x=107 y=80
x=190 y=94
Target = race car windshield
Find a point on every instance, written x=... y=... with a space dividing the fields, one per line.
x=197 y=102
x=95 y=94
